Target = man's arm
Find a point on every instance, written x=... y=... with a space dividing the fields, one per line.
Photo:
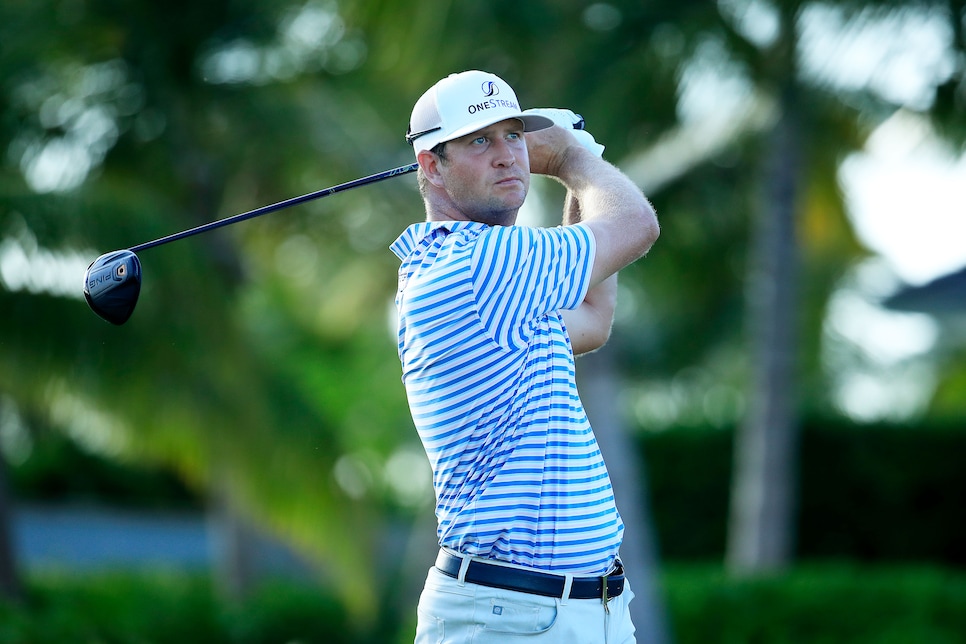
x=624 y=225
x=601 y=196
x=590 y=323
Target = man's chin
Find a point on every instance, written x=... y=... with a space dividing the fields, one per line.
x=500 y=218
x=498 y=213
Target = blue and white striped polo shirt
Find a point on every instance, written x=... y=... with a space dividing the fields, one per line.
x=489 y=372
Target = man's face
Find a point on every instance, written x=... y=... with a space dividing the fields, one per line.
x=487 y=173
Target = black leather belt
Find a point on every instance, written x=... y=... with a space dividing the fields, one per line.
x=533 y=582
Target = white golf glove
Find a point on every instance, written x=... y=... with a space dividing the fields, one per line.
x=568 y=120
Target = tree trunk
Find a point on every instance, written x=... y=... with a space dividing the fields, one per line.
x=234 y=546
x=764 y=485
x=599 y=387
x=10 y=587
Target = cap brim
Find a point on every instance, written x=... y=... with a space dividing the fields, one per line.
x=534 y=122
x=531 y=123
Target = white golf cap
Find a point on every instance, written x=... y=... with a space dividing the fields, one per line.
x=464 y=103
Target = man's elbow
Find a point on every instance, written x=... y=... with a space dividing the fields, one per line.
x=602 y=337
x=590 y=342
x=593 y=336
x=649 y=228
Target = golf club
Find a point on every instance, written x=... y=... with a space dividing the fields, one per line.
x=112 y=282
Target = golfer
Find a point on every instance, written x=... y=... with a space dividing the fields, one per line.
x=491 y=315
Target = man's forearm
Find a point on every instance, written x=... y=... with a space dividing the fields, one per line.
x=624 y=223
x=603 y=191
x=571 y=211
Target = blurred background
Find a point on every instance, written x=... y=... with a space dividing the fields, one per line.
x=782 y=405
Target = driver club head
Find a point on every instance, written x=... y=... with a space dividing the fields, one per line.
x=112 y=285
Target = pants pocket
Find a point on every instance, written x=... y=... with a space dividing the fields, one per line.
x=450 y=613
x=506 y=616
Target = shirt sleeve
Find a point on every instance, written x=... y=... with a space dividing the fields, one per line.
x=522 y=274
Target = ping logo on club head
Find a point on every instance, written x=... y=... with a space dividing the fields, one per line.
x=490 y=88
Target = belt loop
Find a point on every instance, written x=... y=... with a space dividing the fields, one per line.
x=464 y=566
x=568 y=583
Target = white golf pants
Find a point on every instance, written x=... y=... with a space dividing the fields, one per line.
x=451 y=612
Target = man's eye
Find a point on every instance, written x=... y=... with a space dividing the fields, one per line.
x=514 y=136
x=480 y=140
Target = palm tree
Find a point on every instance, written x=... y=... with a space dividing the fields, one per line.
x=813 y=129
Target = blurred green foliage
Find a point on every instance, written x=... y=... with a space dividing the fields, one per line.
x=58 y=471
x=843 y=603
x=170 y=607
x=878 y=493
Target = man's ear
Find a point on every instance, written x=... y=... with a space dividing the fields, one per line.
x=429 y=164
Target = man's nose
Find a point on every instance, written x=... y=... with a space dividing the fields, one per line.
x=504 y=154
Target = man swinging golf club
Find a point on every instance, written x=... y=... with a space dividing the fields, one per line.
x=490 y=316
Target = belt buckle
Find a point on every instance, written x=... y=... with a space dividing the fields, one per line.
x=604 y=596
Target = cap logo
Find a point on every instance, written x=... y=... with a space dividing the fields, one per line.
x=490 y=88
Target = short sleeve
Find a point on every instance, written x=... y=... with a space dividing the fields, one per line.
x=522 y=274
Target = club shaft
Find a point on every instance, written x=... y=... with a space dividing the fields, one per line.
x=264 y=210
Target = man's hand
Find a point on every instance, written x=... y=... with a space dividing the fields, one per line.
x=549 y=149
x=568 y=120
